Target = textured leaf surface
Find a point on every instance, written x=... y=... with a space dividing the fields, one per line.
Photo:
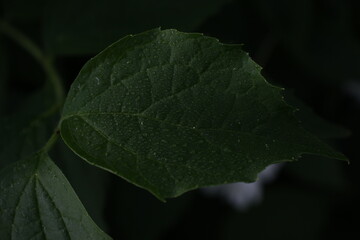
x=37 y=202
x=171 y=112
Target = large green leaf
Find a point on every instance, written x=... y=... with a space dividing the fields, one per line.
x=37 y=202
x=171 y=112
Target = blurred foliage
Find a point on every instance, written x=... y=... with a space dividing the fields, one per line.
x=3 y=75
x=311 y=47
x=28 y=129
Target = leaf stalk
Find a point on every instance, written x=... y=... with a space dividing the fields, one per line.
x=45 y=61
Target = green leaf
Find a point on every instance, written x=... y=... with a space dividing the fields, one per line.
x=172 y=111
x=88 y=26
x=37 y=202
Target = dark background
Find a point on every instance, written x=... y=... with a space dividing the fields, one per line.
x=310 y=47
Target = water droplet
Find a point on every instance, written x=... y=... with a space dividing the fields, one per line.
x=97 y=80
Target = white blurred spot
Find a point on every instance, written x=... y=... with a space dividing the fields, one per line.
x=244 y=195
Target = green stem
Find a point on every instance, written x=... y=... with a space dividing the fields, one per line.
x=35 y=51
x=52 y=140
x=49 y=69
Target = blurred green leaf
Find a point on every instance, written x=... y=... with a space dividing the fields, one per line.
x=29 y=128
x=171 y=112
x=3 y=75
x=37 y=202
x=88 y=26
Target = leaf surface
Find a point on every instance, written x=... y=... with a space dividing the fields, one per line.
x=172 y=111
x=37 y=202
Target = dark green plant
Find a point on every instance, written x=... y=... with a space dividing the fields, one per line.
x=167 y=111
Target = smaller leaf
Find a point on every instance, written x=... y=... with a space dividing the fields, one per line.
x=37 y=202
